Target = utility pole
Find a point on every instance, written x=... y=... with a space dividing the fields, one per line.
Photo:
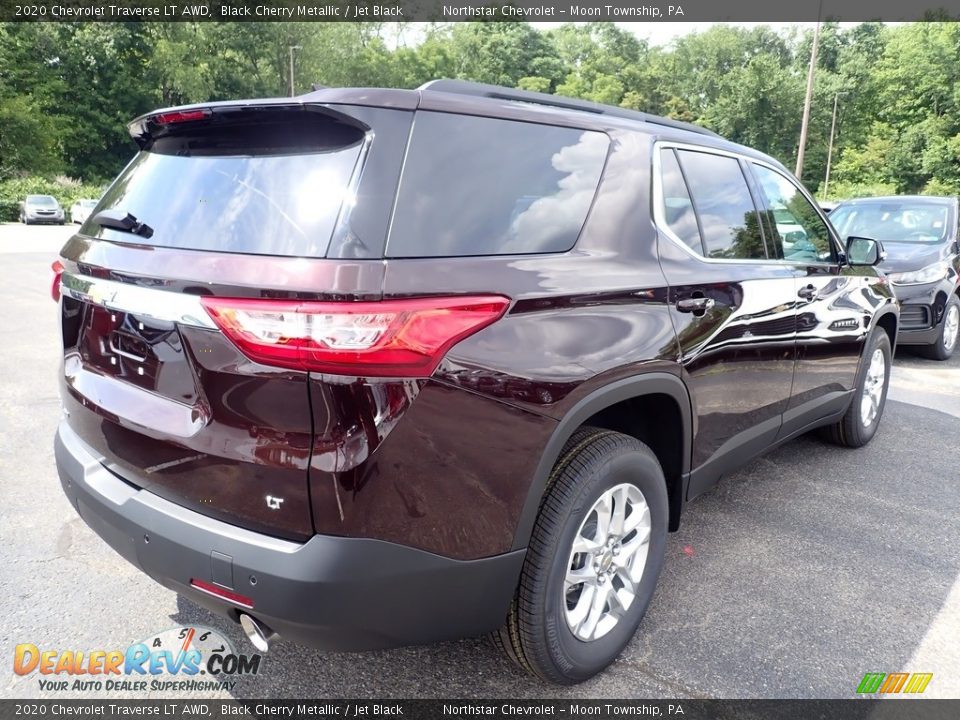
x=809 y=98
x=292 y=48
x=833 y=127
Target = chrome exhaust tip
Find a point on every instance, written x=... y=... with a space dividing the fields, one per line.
x=258 y=633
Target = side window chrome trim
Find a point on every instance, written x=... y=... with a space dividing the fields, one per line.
x=663 y=228
x=146 y=302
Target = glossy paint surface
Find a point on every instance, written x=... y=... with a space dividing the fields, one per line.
x=832 y=329
x=180 y=412
x=445 y=463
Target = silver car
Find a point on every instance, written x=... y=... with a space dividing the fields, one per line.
x=41 y=209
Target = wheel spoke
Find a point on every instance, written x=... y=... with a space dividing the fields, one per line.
x=624 y=596
x=618 y=518
x=636 y=542
x=585 y=574
x=635 y=562
x=604 y=511
x=586 y=545
x=578 y=614
x=598 y=604
x=635 y=518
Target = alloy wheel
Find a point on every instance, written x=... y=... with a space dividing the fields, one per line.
x=951 y=327
x=873 y=385
x=606 y=562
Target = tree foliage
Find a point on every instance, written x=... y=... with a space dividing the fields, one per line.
x=67 y=90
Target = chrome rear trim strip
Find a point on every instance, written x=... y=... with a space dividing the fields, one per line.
x=162 y=305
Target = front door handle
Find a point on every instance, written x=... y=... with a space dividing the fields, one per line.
x=808 y=292
x=696 y=305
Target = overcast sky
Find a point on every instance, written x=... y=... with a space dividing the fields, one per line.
x=656 y=33
x=661 y=33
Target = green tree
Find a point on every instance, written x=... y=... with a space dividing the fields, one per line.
x=29 y=139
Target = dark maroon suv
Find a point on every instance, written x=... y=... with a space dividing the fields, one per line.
x=373 y=367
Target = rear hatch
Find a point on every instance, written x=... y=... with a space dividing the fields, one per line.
x=164 y=369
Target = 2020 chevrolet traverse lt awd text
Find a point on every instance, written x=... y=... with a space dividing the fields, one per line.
x=374 y=367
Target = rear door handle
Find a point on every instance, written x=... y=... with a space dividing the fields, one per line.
x=695 y=304
x=808 y=292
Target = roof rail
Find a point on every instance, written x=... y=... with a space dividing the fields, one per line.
x=464 y=87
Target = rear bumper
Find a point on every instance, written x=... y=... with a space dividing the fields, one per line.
x=330 y=592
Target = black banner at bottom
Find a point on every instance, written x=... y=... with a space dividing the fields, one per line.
x=867 y=709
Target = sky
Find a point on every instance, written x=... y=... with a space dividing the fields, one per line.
x=661 y=33
x=655 y=33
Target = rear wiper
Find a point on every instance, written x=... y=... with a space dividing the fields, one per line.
x=126 y=223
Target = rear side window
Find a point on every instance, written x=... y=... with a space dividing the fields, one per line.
x=724 y=206
x=269 y=186
x=482 y=186
x=677 y=206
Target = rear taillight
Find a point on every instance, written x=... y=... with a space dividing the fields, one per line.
x=57 y=268
x=179 y=116
x=390 y=338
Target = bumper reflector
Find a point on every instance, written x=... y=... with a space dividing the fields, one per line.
x=221 y=592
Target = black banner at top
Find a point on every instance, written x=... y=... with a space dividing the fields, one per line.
x=475 y=10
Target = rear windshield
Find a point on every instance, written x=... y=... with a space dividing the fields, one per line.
x=481 y=186
x=270 y=187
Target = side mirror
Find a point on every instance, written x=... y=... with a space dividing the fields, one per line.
x=864 y=251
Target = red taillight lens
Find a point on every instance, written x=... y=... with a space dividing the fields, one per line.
x=57 y=268
x=179 y=116
x=390 y=338
x=222 y=593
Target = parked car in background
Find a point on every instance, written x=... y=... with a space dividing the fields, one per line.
x=920 y=237
x=41 y=209
x=375 y=367
x=827 y=206
x=80 y=210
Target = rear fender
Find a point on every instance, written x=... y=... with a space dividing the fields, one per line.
x=658 y=383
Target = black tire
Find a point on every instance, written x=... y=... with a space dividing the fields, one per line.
x=852 y=431
x=942 y=350
x=537 y=635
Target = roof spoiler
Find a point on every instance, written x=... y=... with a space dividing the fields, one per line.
x=154 y=124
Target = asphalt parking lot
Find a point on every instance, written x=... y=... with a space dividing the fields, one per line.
x=793 y=578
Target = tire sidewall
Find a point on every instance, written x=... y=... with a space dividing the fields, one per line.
x=573 y=657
